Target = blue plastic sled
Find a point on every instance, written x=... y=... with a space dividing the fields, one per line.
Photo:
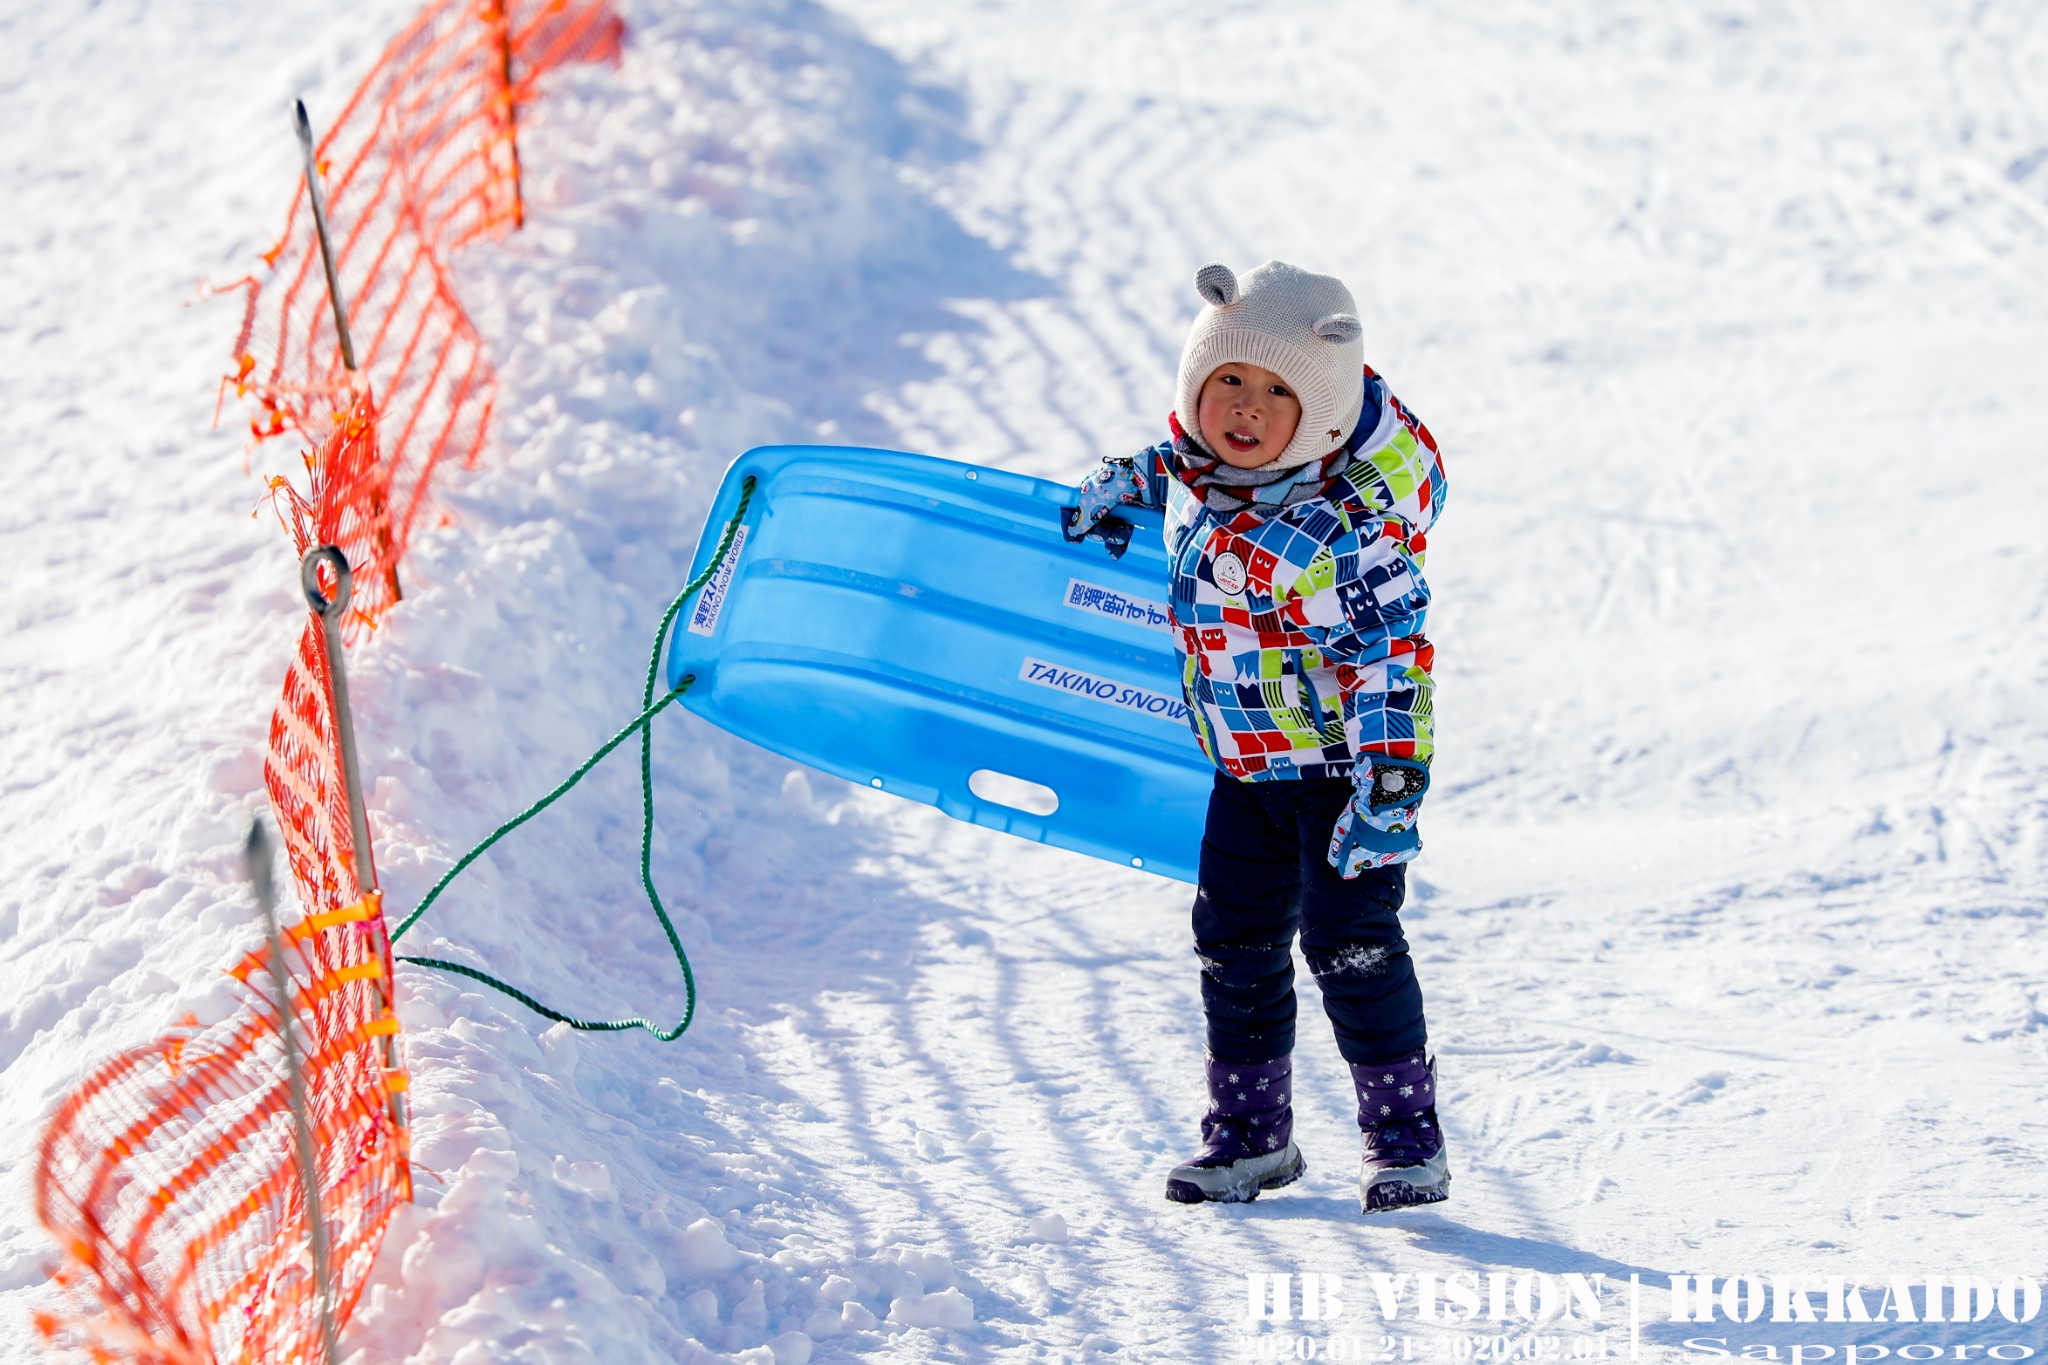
x=924 y=627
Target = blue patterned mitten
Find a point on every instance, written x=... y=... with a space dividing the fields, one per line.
x=1115 y=483
x=1377 y=829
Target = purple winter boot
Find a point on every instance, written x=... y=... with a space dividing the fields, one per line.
x=1404 y=1162
x=1247 y=1136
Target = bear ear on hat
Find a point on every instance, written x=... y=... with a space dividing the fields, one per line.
x=1338 y=328
x=1217 y=284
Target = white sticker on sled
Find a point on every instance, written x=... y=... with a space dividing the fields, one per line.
x=711 y=601
x=1085 y=596
x=1105 y=690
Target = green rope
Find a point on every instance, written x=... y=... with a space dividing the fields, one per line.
x=643 y=724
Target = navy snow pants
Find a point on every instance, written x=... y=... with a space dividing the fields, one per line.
x=1265 y=874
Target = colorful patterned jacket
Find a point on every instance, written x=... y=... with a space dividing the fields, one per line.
x=1301 y=626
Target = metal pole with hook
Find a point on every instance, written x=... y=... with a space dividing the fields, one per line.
x=330 y=610
x=256 y=853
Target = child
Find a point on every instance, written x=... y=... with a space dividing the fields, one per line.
x=1297 y=491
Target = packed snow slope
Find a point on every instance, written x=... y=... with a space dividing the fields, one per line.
x=1730 y=320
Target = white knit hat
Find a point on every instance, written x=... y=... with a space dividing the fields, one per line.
x=1302 y=327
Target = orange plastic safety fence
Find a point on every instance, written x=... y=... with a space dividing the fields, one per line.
x=420 y=162
x=170 y=1174
x=302 y=765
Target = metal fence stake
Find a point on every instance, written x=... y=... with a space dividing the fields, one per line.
x=330 y=611
x=257 y=854
x=304 y=126
x=494 y=15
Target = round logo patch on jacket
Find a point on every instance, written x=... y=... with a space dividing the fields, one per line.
x=1229 y=572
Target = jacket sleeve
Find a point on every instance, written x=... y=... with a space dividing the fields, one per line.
x=1364 y=602
x=1153 y=464
x=1137 y=480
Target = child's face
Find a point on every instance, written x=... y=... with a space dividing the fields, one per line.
x=1247 y=415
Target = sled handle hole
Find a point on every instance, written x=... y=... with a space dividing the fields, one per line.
x=1033 y=798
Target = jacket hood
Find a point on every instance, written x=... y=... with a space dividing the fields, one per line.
x=1394 y=464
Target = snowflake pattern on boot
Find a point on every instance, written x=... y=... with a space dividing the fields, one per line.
x=1402 y=1148
x=1246 y=1134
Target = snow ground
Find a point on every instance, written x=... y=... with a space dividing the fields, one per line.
x=1729 y=319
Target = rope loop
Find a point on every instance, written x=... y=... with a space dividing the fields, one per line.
x=642 y=725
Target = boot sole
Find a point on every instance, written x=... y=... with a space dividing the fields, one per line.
x=1399 y=1194
x=1405 y=1187
x=1188 y=1192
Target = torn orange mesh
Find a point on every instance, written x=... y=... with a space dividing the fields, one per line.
x=168 y=1176
x=420 y=163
